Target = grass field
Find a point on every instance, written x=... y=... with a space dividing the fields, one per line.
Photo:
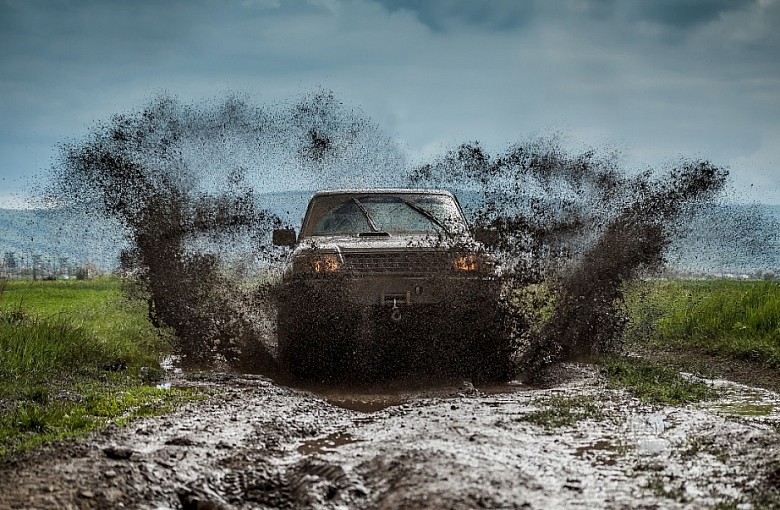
x=59 y=326
x=75 y=355
x=654 y=382
x=725 y=318
x=713 y=328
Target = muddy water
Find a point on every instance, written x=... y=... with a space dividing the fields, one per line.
x=259 y=445
x=740 y=400
x=329 y=443
x=369 y=399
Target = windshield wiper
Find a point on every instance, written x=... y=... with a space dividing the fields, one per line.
x=369 y=219
x=427 y=215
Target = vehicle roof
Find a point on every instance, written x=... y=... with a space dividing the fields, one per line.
x=379 y=191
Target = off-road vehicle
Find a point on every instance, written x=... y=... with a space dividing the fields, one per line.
x=386 y=280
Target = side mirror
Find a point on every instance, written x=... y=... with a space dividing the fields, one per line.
x=284 y=237
x=488 y=237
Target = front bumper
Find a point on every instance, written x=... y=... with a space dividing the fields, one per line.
x=392 y=324
x=391 y=291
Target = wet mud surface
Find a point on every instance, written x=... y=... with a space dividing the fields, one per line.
x=256 y=444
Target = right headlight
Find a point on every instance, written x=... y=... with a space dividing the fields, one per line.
x=472 y=262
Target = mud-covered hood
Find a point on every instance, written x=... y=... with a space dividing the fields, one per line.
x=352 y=243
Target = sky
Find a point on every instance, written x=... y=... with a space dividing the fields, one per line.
x=655 y=80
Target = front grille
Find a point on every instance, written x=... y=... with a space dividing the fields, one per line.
x=397 y=263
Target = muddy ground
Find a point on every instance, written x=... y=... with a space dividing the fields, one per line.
x=576 y=443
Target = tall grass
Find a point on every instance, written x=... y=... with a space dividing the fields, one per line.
x=735 y=319
x=34 y=349
x=50 y=328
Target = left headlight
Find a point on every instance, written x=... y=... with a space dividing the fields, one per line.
x=317 y=264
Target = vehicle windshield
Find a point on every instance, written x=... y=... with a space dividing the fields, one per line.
x=380 y=214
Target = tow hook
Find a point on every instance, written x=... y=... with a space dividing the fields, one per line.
x=395 y=315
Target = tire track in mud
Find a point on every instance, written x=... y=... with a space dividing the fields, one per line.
x=259 y=445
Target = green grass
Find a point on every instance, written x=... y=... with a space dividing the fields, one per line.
x=662 y=487
x=61 y=328
x=654 y=383
x=75 y=356
x=725 y=318
x=51 y=297
x=99 y=306
x=557 y=411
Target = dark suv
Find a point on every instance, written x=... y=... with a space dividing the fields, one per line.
x=386 y=280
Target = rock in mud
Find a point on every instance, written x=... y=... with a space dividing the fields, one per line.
x=118 y=452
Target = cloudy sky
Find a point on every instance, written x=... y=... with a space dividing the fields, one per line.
x=657 y=79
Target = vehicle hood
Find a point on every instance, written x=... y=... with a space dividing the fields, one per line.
x=342 y=243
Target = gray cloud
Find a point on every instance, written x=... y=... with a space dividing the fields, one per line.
x=658 y=79
x=684 y=13
x=440 y=15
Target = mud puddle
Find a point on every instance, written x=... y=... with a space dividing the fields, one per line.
x=746 y=402
x=373 y=398
x=603 y=451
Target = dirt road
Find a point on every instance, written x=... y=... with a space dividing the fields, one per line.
x=575 y=444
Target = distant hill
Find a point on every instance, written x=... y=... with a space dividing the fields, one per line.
x=727 y=239
x=57 y=238
x=740 y=239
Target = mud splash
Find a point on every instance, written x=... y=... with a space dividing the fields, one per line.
x=186 y=183
x=571 y=230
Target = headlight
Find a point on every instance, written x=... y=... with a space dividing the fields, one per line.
x=465 y=263
x=317 y=264
x=471 y=262
x=326 y=264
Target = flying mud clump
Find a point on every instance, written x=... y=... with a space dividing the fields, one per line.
x=187 y=184
x=571 y=230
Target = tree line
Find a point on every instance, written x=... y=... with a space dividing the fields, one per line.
x=34 y=266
